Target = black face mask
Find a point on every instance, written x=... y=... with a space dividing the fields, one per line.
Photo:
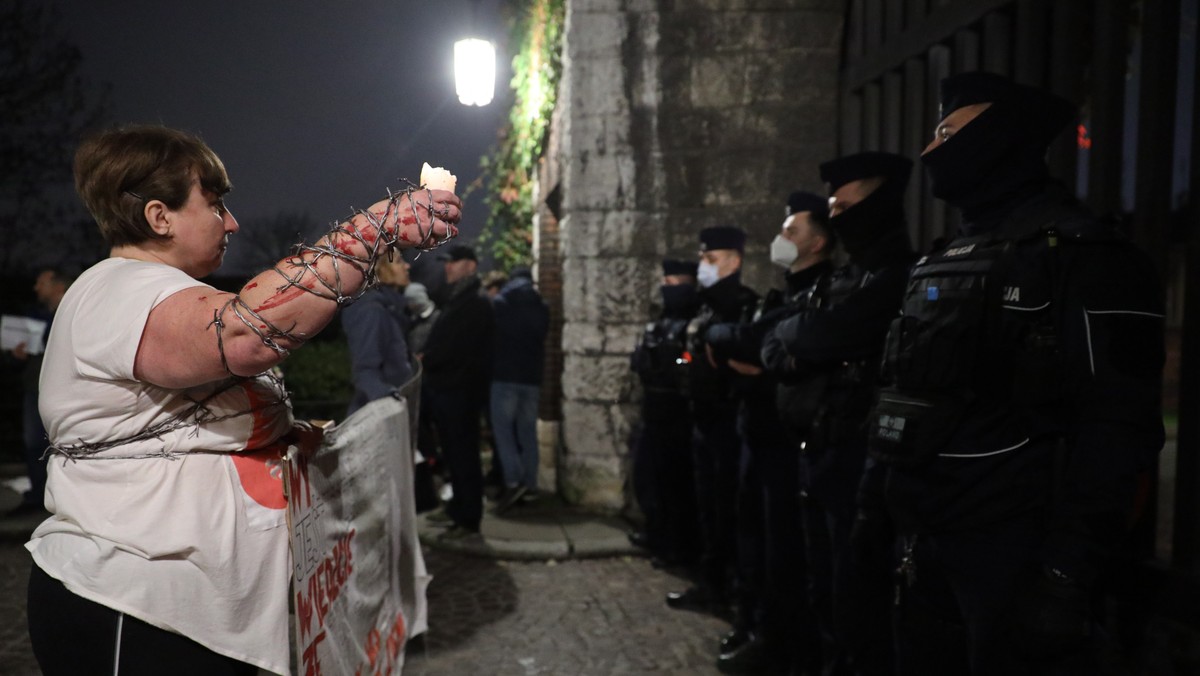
x=679 y=299
x=990 y=158
x=860 y=227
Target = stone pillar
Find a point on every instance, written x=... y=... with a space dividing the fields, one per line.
x=673 y=116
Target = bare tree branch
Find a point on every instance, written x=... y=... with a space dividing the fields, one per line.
x=46 y=107
x=261 y=242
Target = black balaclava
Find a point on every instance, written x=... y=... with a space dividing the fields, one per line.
x=999 y=156
x=679 y=300
x=864 y=227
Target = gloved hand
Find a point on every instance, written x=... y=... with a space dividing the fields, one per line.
x=1050 y=615
x=719 y=340
x=721 y=336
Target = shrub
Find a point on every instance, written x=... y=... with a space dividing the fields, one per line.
x=318 y=378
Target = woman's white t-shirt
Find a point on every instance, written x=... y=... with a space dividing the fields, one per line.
x=193 y=538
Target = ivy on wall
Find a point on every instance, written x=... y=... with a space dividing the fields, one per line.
x=510 y=169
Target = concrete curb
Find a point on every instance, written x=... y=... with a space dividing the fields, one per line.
x=545 y=530
x=548 y=531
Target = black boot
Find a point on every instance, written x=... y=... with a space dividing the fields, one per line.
x=734 y=640
x=693 y=598
x=639 y=538
x=750 y=658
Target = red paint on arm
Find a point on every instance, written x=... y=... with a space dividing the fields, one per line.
x=346 y=246
x=281 y=298
x=368 y=235
x=287 y=295
x=403 y=222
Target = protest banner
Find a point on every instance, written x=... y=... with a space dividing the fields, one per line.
x=359 y=577
x=17 y=330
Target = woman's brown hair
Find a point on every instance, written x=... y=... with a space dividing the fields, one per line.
x=119 y=170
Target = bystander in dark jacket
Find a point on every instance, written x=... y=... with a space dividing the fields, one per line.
x=457 y=361
x=375 y=328
x=49 y=286
x=522 y=319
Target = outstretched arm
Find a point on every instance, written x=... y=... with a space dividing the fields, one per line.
x=199 y=335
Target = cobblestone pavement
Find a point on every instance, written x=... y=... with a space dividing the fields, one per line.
x=588 y=617
x=585 y=617
x=16 y=657
x=579 y=617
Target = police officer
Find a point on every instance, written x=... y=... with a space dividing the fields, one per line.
x=662 y=461
x=775 y=627
x=1024 y=400
x=827 y=359
x=715 y=441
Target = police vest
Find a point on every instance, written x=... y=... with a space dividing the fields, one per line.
x=661 y=357
x=798 y=403
x=978 y=323
x=703 y=382
x=843 y=393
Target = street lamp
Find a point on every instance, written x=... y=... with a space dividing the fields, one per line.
x=474 y=71
x=474 y=66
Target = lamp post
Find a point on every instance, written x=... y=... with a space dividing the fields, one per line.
x=474 y=68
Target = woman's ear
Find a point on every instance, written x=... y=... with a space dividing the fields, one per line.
x=159 y=217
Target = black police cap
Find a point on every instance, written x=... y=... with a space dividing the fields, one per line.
x=894 y=169
x=671 y=266
x=458 y=252
x=806 y=201
x=722 y=237
x=965 y=89
x=1037 y=112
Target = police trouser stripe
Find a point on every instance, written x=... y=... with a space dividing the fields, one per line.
x=117 y=649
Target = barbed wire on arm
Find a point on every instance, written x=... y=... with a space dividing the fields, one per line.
x=382 y=238
x=381 y=241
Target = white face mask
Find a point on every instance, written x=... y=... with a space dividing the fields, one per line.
x=707 y=274
x=784 y=251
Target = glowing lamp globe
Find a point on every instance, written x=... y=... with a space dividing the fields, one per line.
x=474 y=71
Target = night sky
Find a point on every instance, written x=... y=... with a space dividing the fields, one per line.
x=315 y=107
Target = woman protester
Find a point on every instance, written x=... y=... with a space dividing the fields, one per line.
x=167 y=551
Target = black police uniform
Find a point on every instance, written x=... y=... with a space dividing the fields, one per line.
x=662 y=461
x=826 y=358
x=1024 y=401
x=773 y=601
x=715 y=440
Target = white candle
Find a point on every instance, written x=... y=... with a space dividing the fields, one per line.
x=437 y=178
